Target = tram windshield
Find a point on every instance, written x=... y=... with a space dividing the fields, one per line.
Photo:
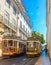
x=31 y=46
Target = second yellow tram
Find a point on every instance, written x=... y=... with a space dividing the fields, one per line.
x=33 y=46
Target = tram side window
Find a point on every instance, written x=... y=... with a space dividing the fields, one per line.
x=38 y=46
x=20 y=45
x=5 y=43
x=35 y=44
x=15 y=44
x=10 y=43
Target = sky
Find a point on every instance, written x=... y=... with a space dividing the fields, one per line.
x=36 y=10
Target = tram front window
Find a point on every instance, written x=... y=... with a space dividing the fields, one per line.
x=30 y=47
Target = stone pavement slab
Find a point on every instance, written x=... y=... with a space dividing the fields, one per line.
x=43 y=60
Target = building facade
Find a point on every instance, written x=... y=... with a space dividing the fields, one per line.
x=13 y=19
x=8 y=17
x=48 y=24
x=24 y=27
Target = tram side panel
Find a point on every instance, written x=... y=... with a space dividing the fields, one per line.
x=7 y=48
x=15 y=47
x=19 y=48
x=11 y=47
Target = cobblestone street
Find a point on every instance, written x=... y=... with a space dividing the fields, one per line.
x=23 y=60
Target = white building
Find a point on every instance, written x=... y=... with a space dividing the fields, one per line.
x=12 y=17
x=8 y=17
x=48 y=23
x=23 y=26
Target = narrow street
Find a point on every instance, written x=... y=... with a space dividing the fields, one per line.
x=23 y=60
x=20 y=60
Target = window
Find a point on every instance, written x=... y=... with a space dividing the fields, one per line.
x=5 y=43
x=6 y=30
x=20 y=24
x=20 y=15
x=8 y=3
x=35 y=44
x=10 y=43
x=13 y=33
x=16 y=0
x=11 y=8
x=15 y=44
x=14 y=22
x=14 y=10
x=24 y=27
x=20 y=34
x=20 y=45
x=30 y=46
x=28 y=32
x=7 y=17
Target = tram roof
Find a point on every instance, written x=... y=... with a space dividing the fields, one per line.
x=14 y=38
x=11 y=37
x=32 y=39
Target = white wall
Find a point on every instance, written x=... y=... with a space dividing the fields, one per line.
x=21 y=18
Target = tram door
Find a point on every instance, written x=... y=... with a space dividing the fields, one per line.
x=15 y=47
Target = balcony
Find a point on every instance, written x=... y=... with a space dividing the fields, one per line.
x=7 y=23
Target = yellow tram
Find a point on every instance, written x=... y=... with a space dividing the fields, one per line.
x=12 y=45
x=33 y=46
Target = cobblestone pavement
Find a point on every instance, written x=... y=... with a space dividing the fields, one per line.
x=43 y=60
